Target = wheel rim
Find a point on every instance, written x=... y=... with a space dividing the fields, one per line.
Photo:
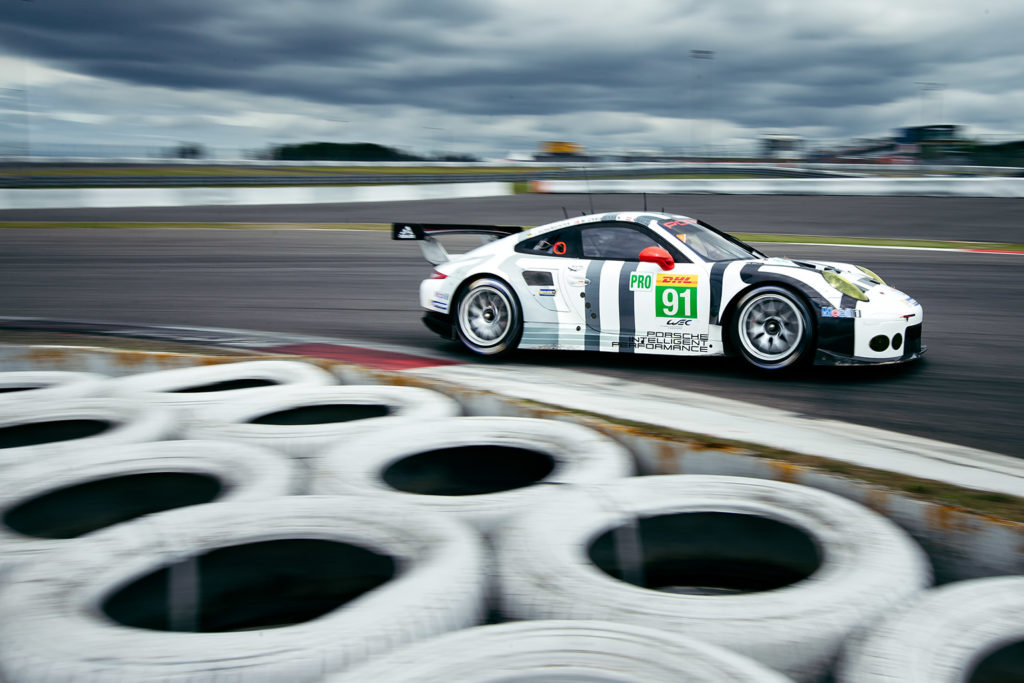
x=771 y=327
x=485 y=316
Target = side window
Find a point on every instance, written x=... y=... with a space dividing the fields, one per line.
x=564 y=243
x=621 y=243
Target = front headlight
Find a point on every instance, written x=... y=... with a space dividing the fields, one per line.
x=871 y=274
x=843 y=285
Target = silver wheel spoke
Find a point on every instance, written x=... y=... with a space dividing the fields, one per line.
x=772 y=327
x=485 y=316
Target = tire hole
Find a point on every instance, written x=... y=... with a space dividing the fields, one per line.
x=227 y=385
x=1005 y=664
x=76 y=510
x=322 y=414
x=707 y=553
x=270 y=584
x=468 y=470
x=35 y=433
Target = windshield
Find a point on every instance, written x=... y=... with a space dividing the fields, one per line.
x=709 y=243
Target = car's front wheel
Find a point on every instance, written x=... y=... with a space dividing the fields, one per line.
x=489 y=319
x=772 y=328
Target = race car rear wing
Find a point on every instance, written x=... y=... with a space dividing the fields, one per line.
x=434 y=251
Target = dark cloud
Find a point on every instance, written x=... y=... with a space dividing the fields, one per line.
x=778 y=64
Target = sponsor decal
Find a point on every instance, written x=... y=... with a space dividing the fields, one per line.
x=547 y=291
x=640 y=281
x=406 y=233
x=441 y=306
x=677 y=280
x=441 y=296
x=912 y=301
x=681 y=321
x=681 y=237
x=675 y=296
x=666 y=341
x=829 y=312
x=678 y=223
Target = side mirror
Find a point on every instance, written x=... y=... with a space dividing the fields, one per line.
x=658 y=255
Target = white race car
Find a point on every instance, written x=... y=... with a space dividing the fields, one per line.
x=643 y=282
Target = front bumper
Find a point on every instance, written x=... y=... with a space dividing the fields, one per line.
x=912 y=350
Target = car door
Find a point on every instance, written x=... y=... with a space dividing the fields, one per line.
x=555 y=279
x=632 y=306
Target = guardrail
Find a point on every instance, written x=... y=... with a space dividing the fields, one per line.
x=234 y=196
x=878 y=187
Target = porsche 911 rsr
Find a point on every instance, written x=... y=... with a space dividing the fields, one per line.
x=656 y=283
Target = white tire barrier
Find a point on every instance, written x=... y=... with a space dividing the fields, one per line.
x=778 y=572
x=195 y=389
x=545 y=651
x=287 y=589
x=47 y=385
x=304 y=420
x=969 y=631
x=479 y=469
x=42 y=429
x=45 y=502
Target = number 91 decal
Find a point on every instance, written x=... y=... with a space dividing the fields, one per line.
x=675 y=296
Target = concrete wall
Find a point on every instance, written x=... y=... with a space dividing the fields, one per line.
x=111 y=197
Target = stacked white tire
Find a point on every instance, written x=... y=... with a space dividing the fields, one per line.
x=39 y=429
x=53 y=627
x=866 y=565
x=545 y=651
x=47 y=385
x=966 y=631
x=193 y=390
x=31 y=512
x=252 y=421
x=573 y=454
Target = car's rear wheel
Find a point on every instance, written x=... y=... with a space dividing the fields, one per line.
x=489 y=319
x=772 y=328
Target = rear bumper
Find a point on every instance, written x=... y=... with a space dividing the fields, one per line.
x=439 y=323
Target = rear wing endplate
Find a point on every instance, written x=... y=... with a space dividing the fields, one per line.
x=433 y=250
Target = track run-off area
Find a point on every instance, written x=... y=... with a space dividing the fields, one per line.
x=360 y=286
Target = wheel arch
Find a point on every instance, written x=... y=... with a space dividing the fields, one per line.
x=728 y=314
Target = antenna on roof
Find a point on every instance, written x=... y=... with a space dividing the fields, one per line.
x=564 y=212
x=590 y=195
x=645 y=201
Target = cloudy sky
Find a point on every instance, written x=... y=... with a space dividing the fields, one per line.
x=491 y=76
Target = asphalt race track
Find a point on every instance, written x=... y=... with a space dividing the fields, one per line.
x=360 y=285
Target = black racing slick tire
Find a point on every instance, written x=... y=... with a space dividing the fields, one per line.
x=772 y=329
x=489 y=318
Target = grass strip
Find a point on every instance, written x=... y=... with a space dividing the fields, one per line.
x=746 y=236
x=877 y=242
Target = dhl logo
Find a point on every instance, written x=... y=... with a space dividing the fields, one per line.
x=677 y=280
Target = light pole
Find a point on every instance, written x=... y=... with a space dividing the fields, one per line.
x=699 y=55
x=927 y=87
